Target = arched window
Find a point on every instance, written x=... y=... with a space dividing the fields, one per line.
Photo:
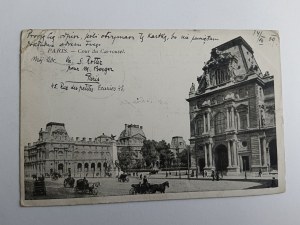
x=243 y=119
x=60 y=155
x=221 y=76
x=86 y=167
x=93 y=166
x=220 y=123
x=79 y=167
x=199 y=125
x=99 y=166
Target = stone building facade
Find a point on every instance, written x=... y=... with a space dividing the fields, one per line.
x=55 y=151
x=232 y=113
x=177 y=145
x=132 y=139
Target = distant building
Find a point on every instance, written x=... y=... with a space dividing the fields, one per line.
x=132 y=138
x=232 y=112
x=177 y=145
x=55 y=151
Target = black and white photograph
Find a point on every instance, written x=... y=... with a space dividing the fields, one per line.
x=137 y=115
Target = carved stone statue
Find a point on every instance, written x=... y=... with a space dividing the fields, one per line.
x=231 y=71
x=267 y=73
x=262 y=116
x=192 y=89
x=113 y=137
x=207 y=79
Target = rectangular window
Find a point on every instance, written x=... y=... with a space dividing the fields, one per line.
x=243 y=120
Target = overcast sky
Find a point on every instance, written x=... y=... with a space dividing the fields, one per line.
x=156 y=75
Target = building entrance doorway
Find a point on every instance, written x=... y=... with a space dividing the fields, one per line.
x=246 y=163
x=273 y=154
x=221 y=158
x=60 y=168
x=201 y=164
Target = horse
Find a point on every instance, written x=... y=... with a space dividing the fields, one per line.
x=93 y=189
x=69 y=181
x=159 y=187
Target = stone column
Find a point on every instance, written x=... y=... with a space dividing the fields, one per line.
x=265 y=152
x=248 y=120
x=238 y=121
x=204 y=124
x=210 y=155
x=208 y=122
x=234 y=153
x=232 y=118
x=227 y=118
x=229 y=154
x=205 y=152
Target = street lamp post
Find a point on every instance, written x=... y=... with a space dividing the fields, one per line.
x=188 y=162
x=245 y=168
x=177 y=149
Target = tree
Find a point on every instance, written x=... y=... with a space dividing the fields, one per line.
x=149 y=152
x=126 y=157
x=183 y=156
x=166 y=156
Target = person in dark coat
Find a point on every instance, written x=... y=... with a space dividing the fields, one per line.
x=259 y=173
x=217 y=176
x=213 y=175
x=145 y=181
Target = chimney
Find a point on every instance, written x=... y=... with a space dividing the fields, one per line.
x=83 y=139
x=90 y=139
x=77 y=138
x=141 y=127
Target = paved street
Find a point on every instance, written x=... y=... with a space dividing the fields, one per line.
x=111 y=186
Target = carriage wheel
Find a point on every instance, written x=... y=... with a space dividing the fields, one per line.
x=132 y=191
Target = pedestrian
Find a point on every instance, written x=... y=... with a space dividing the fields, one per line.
x=213 y=175
x=141 y=176
x=259 y=173
x=166 y=174
x=217 y=176
x=205 y=173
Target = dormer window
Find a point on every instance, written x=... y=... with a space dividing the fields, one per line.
x=221 y=76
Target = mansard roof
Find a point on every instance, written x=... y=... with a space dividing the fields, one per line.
x=55 y=123
x=132 y=130
x=234 y=42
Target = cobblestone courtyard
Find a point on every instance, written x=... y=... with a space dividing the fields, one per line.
x=111 y=186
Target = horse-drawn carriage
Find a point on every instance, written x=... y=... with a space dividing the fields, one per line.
x=69 y=182
x=55 y=176
x=153 y=171
x=123 y=178
x=83 y=186
x=148 y=188
x=39 y=187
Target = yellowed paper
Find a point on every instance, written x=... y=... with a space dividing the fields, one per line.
x=137 y=115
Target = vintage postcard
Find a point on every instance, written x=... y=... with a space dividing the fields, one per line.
x=136 y=115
